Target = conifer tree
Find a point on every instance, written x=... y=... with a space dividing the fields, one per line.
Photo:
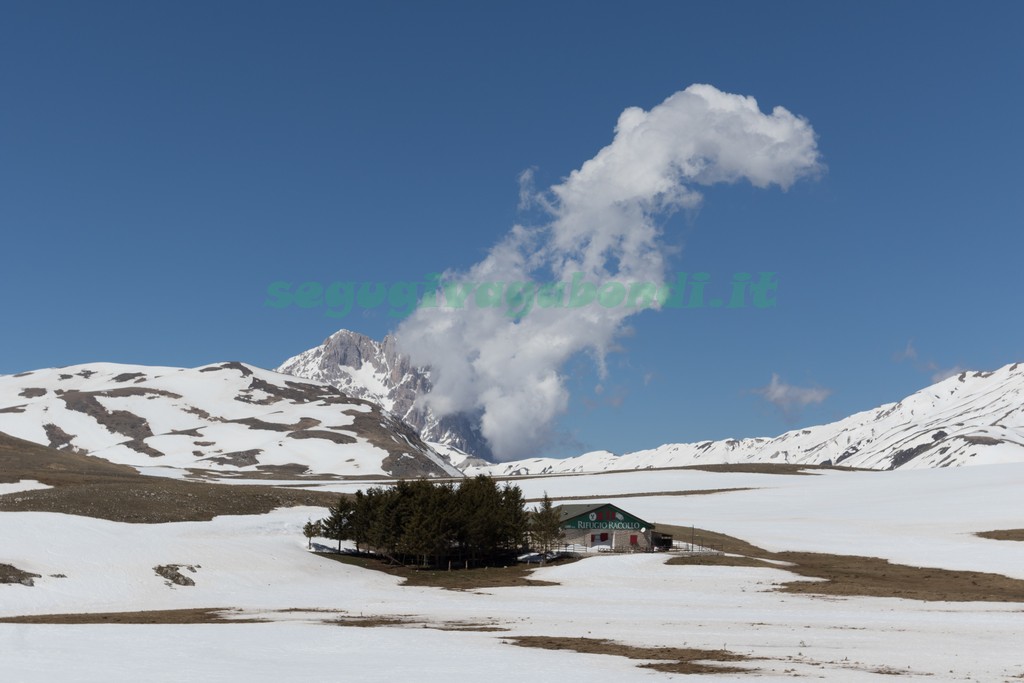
x=311 y=530
x=546 y=525
x=338 y=524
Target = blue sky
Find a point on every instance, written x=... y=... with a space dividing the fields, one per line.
x=162 y=163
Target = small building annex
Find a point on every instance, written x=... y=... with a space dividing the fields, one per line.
x=604 y=525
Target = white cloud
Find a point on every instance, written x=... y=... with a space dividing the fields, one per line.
x=929 y=366
x=940 y=375
x=908 y=353
x=527 y=193
x=790 y=398
x=603 y=224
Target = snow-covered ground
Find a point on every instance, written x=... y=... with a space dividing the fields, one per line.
x=23 y=485
x=259 y=565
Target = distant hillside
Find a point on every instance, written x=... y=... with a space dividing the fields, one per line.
x=225 y=418
x=970 y=419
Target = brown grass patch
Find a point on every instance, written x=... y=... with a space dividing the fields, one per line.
x=677 y=660
x=753 y=468
x=1003 y=535
x=235 y=458
x=759 y=468
x=712 y=539
x=851 y=575
x=716 y=560
x=335 y=437
x=467 y=626
x=371 y=621
x=199 y=615
x=152 y=500
x=293 y=471
x=692 y=492
x=21 y=459
x=93 y=487
x=457 y=579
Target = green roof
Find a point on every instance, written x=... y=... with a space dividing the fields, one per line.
x=570 y=512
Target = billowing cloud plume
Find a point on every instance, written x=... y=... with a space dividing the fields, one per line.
x=603 y=226
x=789 y=398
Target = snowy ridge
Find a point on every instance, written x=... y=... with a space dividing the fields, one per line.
x=375 y=371
x=969 y=419
x=228 y=417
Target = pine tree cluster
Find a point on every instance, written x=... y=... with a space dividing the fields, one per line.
x=477 y=523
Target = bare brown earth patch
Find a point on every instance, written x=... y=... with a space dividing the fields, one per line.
x=199 y=412
x=293 y=392
x=712 y=539
x=457 y=579
x=20 y=459
x=407 y=454
x=693 y=492
x=402 y=464
x=1003 y=535
x=293 y=471
x=256 y=423
x=152 y=500
x=466 y=626
x=236 y=458
x=58 y=438
x=32 y=392
x=200 y=615
x=122 y=422
x=284 y=471
x=128 y=376
x=721 y=560
x=758 y=468
x=372 y=622
x=11 y=574
x=677 y=660
x=323 y=434
x=93 y=487
x=409 y=621
x=230 y=365
x=852 y=575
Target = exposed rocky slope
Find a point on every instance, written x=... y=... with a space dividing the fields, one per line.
x=374 y=370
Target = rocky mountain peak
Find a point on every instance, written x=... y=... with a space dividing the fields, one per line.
x=376 y=371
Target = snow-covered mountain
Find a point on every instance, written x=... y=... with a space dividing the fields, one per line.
x=374 y=370
x=971 y=418
x=228 y=417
